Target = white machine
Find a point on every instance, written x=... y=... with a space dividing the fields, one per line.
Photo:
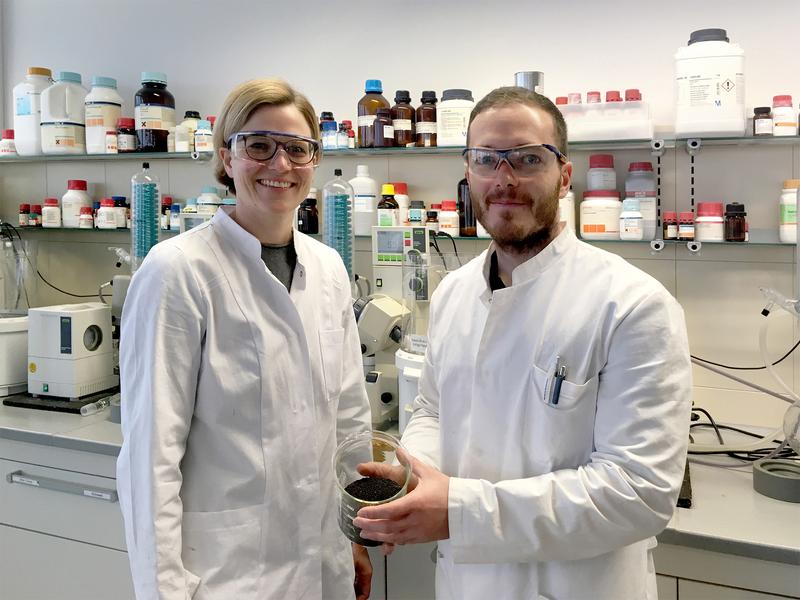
x=392 y=247
x=70 y=352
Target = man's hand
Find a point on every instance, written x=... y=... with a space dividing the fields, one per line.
x=363 y=567
x=419 y=516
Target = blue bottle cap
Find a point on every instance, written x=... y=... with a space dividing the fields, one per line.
x=204 y=124
x=210 y=189
x=374 y=85
x=175 y=207
x=329 y=126
x=68 y=76
x=108 y=82
x=115 y=198
x=154 y=76
x=96 y=204
x=191 y=202
x=229 y=201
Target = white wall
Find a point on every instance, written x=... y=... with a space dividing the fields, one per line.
x=328 y=49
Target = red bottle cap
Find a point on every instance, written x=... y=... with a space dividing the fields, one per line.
x=601 y=194
x=687 y=217
x=781 y=101
x=400 y=187
x=24 y=208
x=125 y=123
x=633 y=95
x=8 y=134
x=640 y=166
x=592 y=97
x=76 y=184
x=709 y=209
x=211 y=119
x=670 y=216
x=86 y=210
x=436 y=207
x=36 y=208
x=601 y=161
x=613 y=96
x=166 y=201
x=107 y=202
x=561 y=100
x=448 y=205
x=51 y=201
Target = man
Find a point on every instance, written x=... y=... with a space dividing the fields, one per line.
x=555 y=394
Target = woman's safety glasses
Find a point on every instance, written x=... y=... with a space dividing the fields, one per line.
x=525 y=160
x=262 y=146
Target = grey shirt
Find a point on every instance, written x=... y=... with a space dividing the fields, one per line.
x=281 y=261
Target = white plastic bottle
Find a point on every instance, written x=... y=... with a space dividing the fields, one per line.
x=641 y=184
x=601 y=174
x=365 y=190
x=103 y=109
x=784 y=116
x=630 y=220
x=566 y=210
x=452 y=117
x=600 y=211
x=787 y=215
x=7 y=145
x=190 y=120
x=72 y=201
x=448 y=218
x=203 y=138
x=64 y=116
x=28 y=110
x=208 y=201
x=403 y=201
x=145 y=217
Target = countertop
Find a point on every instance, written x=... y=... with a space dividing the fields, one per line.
x=727 y=515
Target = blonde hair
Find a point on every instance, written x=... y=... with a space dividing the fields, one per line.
x=242 y=102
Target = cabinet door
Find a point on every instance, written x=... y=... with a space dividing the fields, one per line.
x=694 y=590
x=35 y=566
x=411 y=572
x=667 y=587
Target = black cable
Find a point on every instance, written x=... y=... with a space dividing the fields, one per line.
x=716 y=364
x=453 y=240
x=711 y=421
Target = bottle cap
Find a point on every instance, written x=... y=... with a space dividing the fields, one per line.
x=400 y=187
x=762 y=110
x=709 y=209
x=601 y=194
x=76 y=184
x=107 y=202
x=601 y=161
x=145 y=165
x=417 y=204
x=25 y=208
x=69 y=76
x=120 y=198
x=640 y=166
x=783 y=100
x=613 y=96
x=108 y=82
x=211 y=119
x=633 y=95
x=436 y=207
x=428 y=96
x=374 y=85
x=86 y=210
x=708 y=35
x=126 y=123
x=309 y=202
x=210 y=189
x=118 y=202
x=735 y=209
x=96 y=204
x=431 y=214
x=175 y=207
x=51 y=201
x=402 y=96
x=574 y=98
x=686 y=217
x=154 y=77
x=791 y=184
x=670 y=216
x=8 y=134
x=191 y=114
x=561 y=100
x=36 y=208
x=348 y=123
x=40 y=71
x=448 y=205
x=337 y=172
x=592 y=97
x=457 y=94
x=166 y=200
x=387 y=189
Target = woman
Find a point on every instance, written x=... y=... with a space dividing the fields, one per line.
x=241 y=372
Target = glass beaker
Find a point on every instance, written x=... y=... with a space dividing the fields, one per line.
x=357 y=449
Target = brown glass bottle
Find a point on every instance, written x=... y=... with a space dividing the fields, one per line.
x=382 y=130
x=154 y=106
x=466 y=215
x=426 y=120
x=367 y=109
x=403 y=118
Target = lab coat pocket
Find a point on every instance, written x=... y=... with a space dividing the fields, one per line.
x=223 y=548
x=331 y=346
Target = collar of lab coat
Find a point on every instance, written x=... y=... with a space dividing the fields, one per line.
x=248 y=244
x=534 y=266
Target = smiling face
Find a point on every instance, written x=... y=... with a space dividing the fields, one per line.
x=520 y=213
x=270 y=191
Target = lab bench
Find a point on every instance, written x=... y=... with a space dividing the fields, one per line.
x=61 y=530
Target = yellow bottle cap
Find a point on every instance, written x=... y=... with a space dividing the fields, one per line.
x=40 y=71
x=387 y=189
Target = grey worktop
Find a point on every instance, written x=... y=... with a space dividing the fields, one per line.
x=727 y=515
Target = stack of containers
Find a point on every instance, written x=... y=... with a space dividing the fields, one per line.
x=601 y=206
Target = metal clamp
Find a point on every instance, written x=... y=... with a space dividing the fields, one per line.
x=693 y=146
x=694 y=246
x=657 y=245
x=58 y=485
x=657 y=147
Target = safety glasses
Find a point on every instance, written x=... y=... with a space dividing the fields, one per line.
x=262 y=146
x=525 y=160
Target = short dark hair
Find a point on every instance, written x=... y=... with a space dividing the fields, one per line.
x=507 y=96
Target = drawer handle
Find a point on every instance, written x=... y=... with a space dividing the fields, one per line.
x=69 y=487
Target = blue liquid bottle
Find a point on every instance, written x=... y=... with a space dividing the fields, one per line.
x=337 y=231
x=145 y=204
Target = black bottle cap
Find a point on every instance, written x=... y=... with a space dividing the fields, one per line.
x=735 y=209
x=326 y=116
x=337 y=172
x=708 y=35
x=145 y=165
x=429 y=96
x=431 y=214
x=191 y=114
x=309 y=202
x=457 y=94
x=402 y=96
x=762 y=110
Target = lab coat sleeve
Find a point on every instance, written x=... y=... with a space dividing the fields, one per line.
x=354 y=413
x=627 y=491
x=421 y=435
x=160 y=346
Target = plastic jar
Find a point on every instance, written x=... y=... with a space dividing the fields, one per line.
x=191 y=118
x=784 y=117
x=641 y=184
x=28 y=111
x=203 y=138
x=154 y=112
x=121 y=211
x=72 y=201
x=709 y=226
x=787 y=216
x=448 y=218
x=686 y=226
x=103 y=109
x=63 y=117
x=762 y=121
x=600 y=211
x=51 y=213
x=735 y=222
x=208 y=201
x=601 y=174
x=35 y=217
x=452 y=117
x=709 y=86
x=175 y=217
x=86 y=220
x=107 y=214
x=365 y=190
x=670 y=224
x=7 y=146
x=630 y=220
x=24 y=214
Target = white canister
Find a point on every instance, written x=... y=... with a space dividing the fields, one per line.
x=63 y=116
x=709 y=224
x=365 y=192
x=787 y=216
x=784 y=117
x=448 y=218
x=601 y=174
x=208 y=201
x=641 y=184
x=7 y=145
x=72 y=201
x=103 y=109
x=630 y=221
x=106 y=214
x=51 y=213
x=566 y=210
x=452 y=117
x=28 y=110
x=203 y=138
x=600 y=211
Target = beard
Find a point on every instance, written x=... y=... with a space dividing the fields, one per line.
x=520 y=236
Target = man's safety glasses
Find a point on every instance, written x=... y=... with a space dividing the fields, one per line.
x=262 y=146
x=525 y=160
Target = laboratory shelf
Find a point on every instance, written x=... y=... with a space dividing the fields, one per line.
x=54 y=230
x=786 y=140
x=201 y=156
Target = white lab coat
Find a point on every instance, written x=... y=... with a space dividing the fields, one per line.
x=554 y=501
x=235 y=394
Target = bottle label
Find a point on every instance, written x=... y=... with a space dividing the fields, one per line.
x=415 y=215
x=672 y=232
x=126 y=142
x=365 y=120
x=762 y=126
x=718 y=90
x=388 y=132
x=111 y=144
x=203 y=142
x=22 y=106
x=63 y=135
x=641 y=194
x=150 y=116
x=788 y=214
x=364 y=202
x=387 y=217
x=102 y=114
x=426 y=127
x=401 y=124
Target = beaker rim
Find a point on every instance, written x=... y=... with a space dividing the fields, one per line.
x=354 y=438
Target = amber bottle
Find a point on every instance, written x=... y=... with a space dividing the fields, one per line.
x=426 y=120
x=367 y=109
